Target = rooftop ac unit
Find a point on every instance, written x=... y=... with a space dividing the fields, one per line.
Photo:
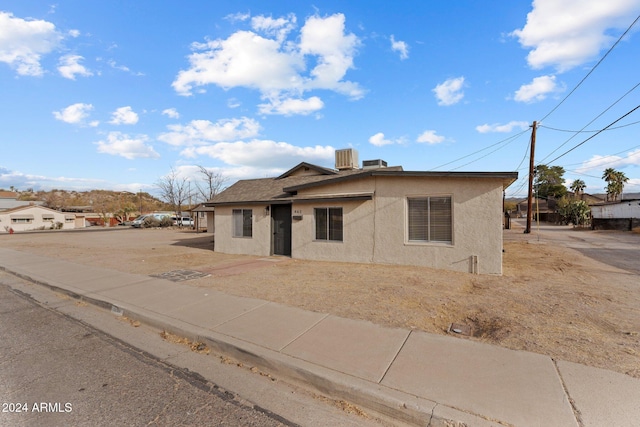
x=346 y=159
x=374 y=164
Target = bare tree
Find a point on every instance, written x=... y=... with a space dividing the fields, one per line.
x=214 y=183
x=174 y=190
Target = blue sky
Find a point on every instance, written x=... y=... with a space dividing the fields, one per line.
x=116 y=94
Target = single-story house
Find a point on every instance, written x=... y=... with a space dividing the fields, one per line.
x=36 y=218
x=9 y=200
x=377 y=214
x=203 y=216
x=623 y=215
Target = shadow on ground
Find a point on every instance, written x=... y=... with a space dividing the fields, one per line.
x=203 y=242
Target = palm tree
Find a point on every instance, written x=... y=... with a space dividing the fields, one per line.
x=621 y=179
x=615 y=182
x=578 y=187
x=609 y=174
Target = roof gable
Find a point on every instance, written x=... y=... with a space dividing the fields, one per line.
x=307 y=169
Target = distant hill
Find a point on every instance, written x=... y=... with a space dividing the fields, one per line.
x=94 y=200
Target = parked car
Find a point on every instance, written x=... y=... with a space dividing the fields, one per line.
x=186 y=221
x=139 y=222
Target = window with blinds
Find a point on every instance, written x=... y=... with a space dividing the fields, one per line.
x=328 y=224
x=242 y=223
x=430 y=219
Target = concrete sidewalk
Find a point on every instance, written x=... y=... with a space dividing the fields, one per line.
x=413 y=377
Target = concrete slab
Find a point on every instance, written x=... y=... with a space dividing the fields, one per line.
x=214 y=309
x=272 y=325
x=62 y=273
x=164 y=296
x=513 y=387
x=10 y=257
x=353 y=347
x=591 y=390
x=137 y=293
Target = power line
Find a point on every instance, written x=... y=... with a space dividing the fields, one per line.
x=604 y=157
x=592 y=69
x=490 y=152
x=593 y=120
x=593 y=136
x=526 y=152
x=587 y=131
x=512 y=137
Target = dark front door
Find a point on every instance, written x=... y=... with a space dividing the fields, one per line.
x=281 y=227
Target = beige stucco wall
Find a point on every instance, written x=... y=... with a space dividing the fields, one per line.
x=37 y=222
x=357 y=243
x=376 y=230
x=258 y=244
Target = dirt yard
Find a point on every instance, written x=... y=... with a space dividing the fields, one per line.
x=550 y=299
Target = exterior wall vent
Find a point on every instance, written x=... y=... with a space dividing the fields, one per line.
x=346 y=159
x=374 y=164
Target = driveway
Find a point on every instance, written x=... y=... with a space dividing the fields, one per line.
x=620 y=249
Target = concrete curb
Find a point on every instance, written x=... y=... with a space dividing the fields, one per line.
x=386 y=402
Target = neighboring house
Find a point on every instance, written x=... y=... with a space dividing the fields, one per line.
x=203 y=216
x=9 y=200
x=547 y=209
x=623 y=215
x=35 y=218
x=378 y=214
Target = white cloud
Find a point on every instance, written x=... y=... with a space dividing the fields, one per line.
x=289 y=107
x=506 y=128
x=266 y=60
x=23 y=180
x=203 y=132
x=262 y=154
x=278 y=28
x=23 y=42
x=113 y=64
x=430 y=137
x=75 y=114
x=378 y=140
x=238 y=17
x=172 y=113
x=233 y=103
x=401 y=47
x=124 y=116
x=69 y=66
x=244 y=59
x=120 y=144
x=450 y=92
x=538 y=89
x=565 y=34
x=598 y=162
x=74 y=33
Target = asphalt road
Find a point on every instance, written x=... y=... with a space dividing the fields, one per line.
x=57 y=371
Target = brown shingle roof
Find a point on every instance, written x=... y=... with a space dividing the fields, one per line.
x=284 y=188
x=272 y=190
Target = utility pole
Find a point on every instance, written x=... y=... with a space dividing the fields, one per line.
x=531 y=176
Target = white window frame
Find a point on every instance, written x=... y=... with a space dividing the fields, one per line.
x=430 y=227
